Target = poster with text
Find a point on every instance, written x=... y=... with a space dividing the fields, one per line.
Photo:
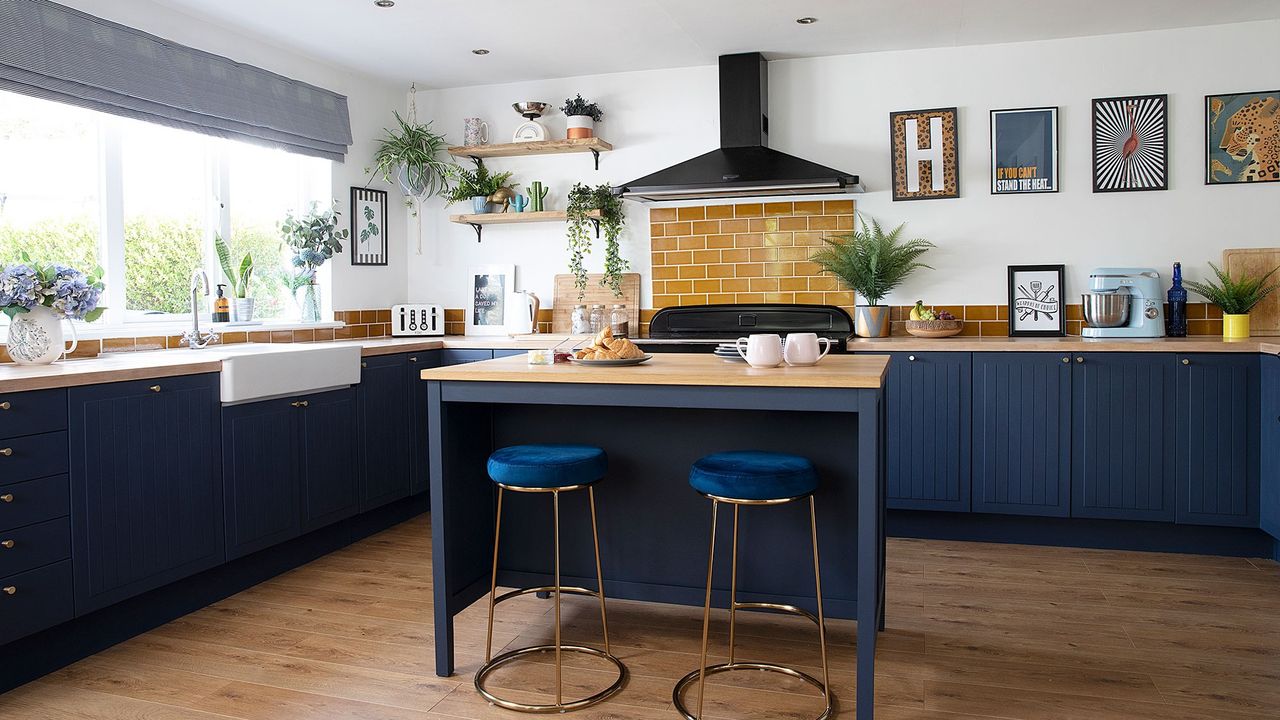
x=1024 y=151
x=489 y=287
x=1036 y=301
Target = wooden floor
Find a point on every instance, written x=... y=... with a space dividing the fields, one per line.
x=974 y=631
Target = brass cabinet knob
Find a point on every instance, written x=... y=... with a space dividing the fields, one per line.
x=6 y=451
x=1066 y=359
x=1079 y=359
x=364 y=364
x=10 y=590
x=1186 y=361
x=7 y=497
x=6 y=405
x=299 y=403
x=154 y=388
x=412 y=358
x=7 y=544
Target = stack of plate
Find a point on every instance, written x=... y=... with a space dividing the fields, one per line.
x=729 y=352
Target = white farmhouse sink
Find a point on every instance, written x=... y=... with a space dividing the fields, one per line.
x=253 y=371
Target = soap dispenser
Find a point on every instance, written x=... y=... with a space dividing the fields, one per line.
x=221 y=306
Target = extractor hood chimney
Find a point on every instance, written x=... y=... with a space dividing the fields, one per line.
x=743 y=165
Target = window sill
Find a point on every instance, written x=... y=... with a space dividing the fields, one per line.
x=137 y=330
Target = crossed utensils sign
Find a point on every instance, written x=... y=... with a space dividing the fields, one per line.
x=1036 y=301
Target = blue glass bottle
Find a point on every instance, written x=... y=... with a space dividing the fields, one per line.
x=1176 y=316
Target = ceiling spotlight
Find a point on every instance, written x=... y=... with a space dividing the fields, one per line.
x=480 y=51
x=807 y=20
x=384 y=3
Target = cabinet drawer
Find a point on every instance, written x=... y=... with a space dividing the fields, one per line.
x=33 y=501
x=34 y=545
x=29 y=413
x=33 y=456
x=458 y=357
x=40 y=598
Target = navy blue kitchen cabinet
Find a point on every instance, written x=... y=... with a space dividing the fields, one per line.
x=382 y=401
x=1022 y=433
x=458 y=357
x=1217 y=439
x=419 y=453
x=1122 y=431
x=509 y=353
x=1269 y=439
x=929 y=398
x=146 y=485
x=330 y=475
x=260 y=443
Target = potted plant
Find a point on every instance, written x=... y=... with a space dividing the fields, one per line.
x=314 y=237
x=1235 y=297
x=582 y=117
x=408 y=154
x=476 y=185
x=871 y=263
x=583 y=200
x=37 y=298
x=238 y=279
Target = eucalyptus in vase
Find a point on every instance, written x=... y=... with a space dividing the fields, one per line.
x=314 y=238
x=37 y=298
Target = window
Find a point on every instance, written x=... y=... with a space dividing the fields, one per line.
x=145 y=202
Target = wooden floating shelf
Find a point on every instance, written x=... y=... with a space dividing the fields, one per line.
x=479 y=220
x=593 y=145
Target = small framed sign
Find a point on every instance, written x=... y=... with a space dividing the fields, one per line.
x=368 y=226
x=1024 y=151
x=1036 y=307
x=487 y=314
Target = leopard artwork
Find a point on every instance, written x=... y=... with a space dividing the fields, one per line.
x=950 y=164
x=1254 y=130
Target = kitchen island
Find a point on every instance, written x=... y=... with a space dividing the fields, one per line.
x=655 y=420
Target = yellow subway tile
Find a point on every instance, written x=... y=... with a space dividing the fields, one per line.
x=844 y=222
x=777 y=208
x=656 y=230
x=825 y=283
x=693 y=242
x=793 y=223
x=1212 y=312
x=658 y=259
x=779 y=269
x=735 y=256
x=722 y=299
x=284 y=336
x=807 y=239
x=822 y=222
x=304 y=336
x=1002 y=312
x=691 y=213
x=666 y=272
x=693 y=271
x=988 y=312
x=706 y=286
x=676 y=287
x=777 y=239
x=762 y=225
x=693 y=299
x=324 y=334
x=749 y=240
x=750 y=297
x=683 y=257
x=794 y=253
x=661 y=301
x=749 y=270
x=735 y=284
x=368 y=316
x=807 y=268
x=734 y=226
x=810 y=298
x=678 y=228
x=807 y=207
x=793 y=284
x=233 y=338
x=769 y=284
x=117 y=344
x=455 y=315
x=748 y=210
x=664 y=243
x=993 y=329
x=704 y=257
x=765 y=254
x=780 y=297
x=659 y=287
x=973 y=329
x=657 y=215
x=706 y=227
x=720 y=271
x=1195 y=311
x=719 y=241
x=837 y=207
x=719 y=212
x=646 y=314
x=838 y=298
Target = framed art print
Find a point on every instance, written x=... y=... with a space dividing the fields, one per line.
x=368 y=226
x=1024 y=151
x=1242 y=138
x=1131 y=143
x=1036 y=307
x=926 y=159
x=489 y=286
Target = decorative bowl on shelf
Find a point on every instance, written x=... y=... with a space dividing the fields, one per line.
x=934 y=328
x=531 y=109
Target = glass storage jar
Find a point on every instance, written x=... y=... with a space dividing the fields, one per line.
x=579 y=321
x=620 y=321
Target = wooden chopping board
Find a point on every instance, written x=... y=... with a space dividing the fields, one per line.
x=566 y=297
x=1265 y=318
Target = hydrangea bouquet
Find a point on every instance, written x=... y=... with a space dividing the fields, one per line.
x=314 y=238
x=69 y=293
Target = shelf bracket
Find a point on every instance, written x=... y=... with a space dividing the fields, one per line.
x=596 y=153
x=596 y=222
x=480 y=228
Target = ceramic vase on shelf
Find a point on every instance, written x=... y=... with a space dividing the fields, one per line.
x=580 y=127
x=479 y=204
x=242 y=309
x=871 y=321
x=309 y=302
x=1235 y=327
x=36 y=338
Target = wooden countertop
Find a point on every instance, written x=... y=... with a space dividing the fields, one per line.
x=836 y=371
x=1065 y=344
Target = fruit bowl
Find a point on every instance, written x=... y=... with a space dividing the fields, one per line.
x=934 y=328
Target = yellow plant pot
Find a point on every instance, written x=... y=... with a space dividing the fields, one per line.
x=1235 y=327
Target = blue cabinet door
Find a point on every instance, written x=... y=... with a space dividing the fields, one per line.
x=458 y=357
x=1218 y=406
x=1122 y=430
x=509 y=353
x=929 y=397
x=419 y=453
x=146 y=485
x=260 y=450
x=382 y=402
x=1269 y=505
x=330 y=476
x=1021 y=433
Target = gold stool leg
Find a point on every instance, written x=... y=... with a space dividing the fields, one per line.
x=706 y=608
x=595 y=537
x=555 y=505
x=817 y=584
x=733 y=585
x=493 y=584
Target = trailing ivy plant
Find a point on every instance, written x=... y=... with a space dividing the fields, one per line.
x=475 y=183
x=582 y=200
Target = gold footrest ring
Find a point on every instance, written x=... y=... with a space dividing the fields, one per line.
x=692 y=679
x=487 y=669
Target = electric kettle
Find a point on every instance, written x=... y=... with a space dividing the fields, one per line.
x=522 y=313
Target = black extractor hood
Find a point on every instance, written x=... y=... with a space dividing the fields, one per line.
x=743 y=165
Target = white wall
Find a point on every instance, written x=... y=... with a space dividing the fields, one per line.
x=834 y=110
x=371 y=102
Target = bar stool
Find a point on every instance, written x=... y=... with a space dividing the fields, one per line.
x=548 y=469
x=754 y=478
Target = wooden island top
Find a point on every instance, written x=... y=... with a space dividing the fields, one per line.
x=704 y=369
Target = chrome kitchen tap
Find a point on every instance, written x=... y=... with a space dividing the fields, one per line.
x=194 y=338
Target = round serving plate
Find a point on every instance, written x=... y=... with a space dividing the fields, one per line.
x=612 y=363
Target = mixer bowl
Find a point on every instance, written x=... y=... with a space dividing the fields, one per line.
x=1106 y=310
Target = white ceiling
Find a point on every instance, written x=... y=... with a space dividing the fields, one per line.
x=429 y=41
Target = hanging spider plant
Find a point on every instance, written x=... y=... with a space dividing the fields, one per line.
x=407 y=156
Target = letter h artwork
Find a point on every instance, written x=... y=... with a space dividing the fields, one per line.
x=925 y=154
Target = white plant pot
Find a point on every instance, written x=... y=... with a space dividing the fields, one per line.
x=35 y=337
x=581 y=126
x=242 y=309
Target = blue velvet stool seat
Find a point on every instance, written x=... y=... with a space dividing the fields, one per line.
x=750 y=477
x=548 y=469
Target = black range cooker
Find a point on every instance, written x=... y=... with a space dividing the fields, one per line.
x=699 y=328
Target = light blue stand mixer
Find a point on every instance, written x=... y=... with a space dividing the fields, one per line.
x=1124 y=303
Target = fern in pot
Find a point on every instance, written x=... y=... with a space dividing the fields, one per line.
x=1235 y=297
x=408 y=154
x=476 y=185
x=872 y=263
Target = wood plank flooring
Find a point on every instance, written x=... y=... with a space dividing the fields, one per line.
x=975 y=632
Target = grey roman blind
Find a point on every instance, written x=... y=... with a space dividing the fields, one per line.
x=58 y=53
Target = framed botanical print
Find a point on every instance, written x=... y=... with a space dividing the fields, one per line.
x=1131 y=143
x=1242 y=138
x=926 y=158
x=1024 y=151
x=1036 y=307
x=368 y=226
x=489 y=286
